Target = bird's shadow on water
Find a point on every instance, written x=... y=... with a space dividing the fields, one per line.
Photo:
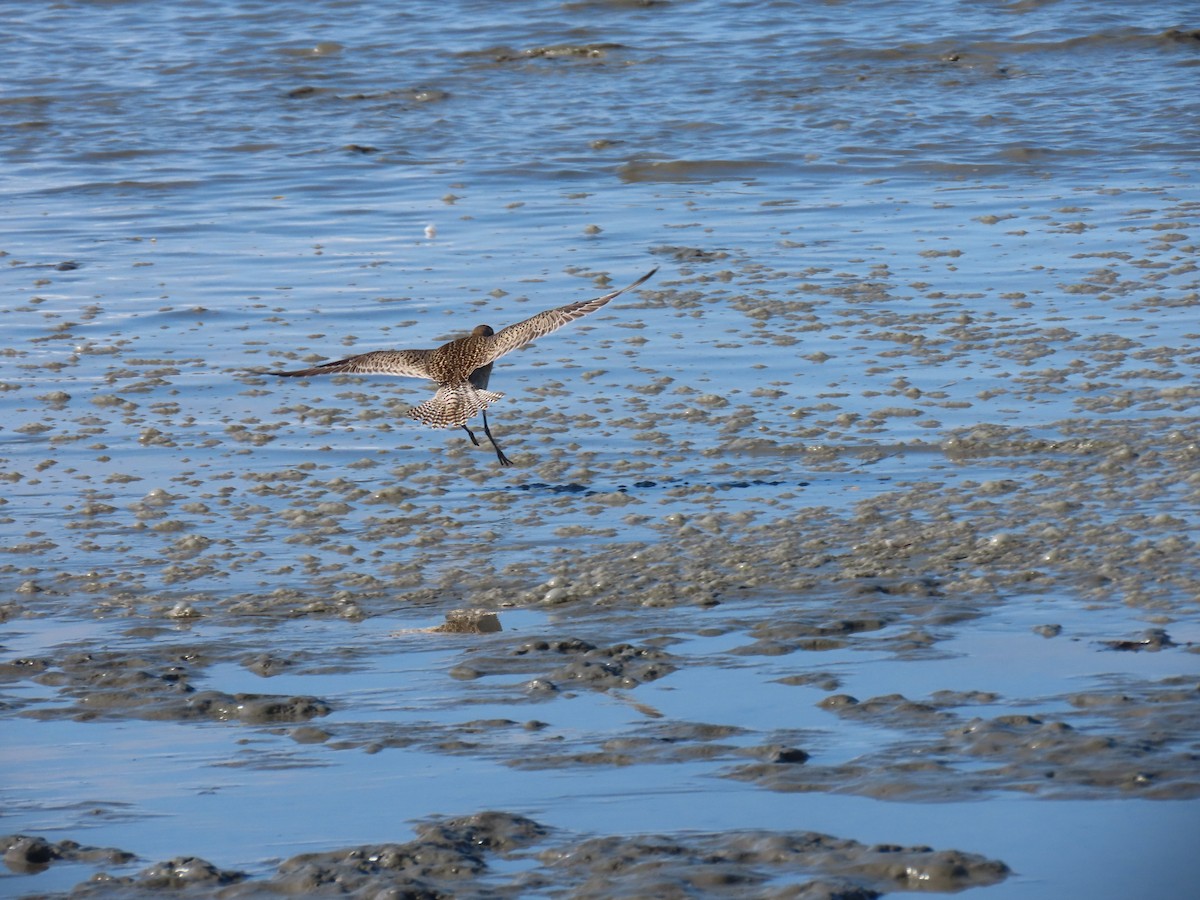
x=574 y=487
x=877 y=455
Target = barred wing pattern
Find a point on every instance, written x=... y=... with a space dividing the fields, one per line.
x=405 y=363
x=508 y=339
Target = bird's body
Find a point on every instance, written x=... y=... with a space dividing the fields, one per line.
x=461 y=368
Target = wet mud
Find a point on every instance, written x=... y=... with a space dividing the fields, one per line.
x=494 y=854
x=806 y=539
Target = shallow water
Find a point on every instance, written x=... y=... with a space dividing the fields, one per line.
x=893 y=462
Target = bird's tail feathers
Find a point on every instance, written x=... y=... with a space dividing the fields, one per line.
x=453 y=405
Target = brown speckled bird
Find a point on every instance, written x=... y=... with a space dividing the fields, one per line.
x=462 y=367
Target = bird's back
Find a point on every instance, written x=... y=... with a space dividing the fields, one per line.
x=453 y=363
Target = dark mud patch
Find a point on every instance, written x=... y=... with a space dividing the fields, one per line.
x=155 y=685
x=1152 y=640
x=29 y=855
x=1114 y=737
x=497 y=854
x=572 y=664
x=1136 y=743
x=731 y=864
x=576 y=52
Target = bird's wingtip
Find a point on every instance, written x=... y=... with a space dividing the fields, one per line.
x=645 y=277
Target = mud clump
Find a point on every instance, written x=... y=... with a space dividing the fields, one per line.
x=1153 y=640
x=256 y=709
x=442 y=859
x=461 y=621
x=116 y=685
x=457 y=857
x=581 y=664
x=28 y=855
x=184 y=874
x=267 y=665
x=618 y=666
x=470 y=621
x=730 y=864
x=1143 y=750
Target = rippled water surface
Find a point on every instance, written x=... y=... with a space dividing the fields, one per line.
x=893 y=462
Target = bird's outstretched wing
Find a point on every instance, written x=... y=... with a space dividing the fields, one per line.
x=508 y=339
x=407 y=363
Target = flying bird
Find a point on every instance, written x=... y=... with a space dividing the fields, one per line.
x=462 y=367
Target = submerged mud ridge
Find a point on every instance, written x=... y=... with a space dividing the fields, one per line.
x=496 y=854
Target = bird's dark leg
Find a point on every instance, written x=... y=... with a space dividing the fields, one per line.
x=471 y=435
x=479 y=380
x=504 y=460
